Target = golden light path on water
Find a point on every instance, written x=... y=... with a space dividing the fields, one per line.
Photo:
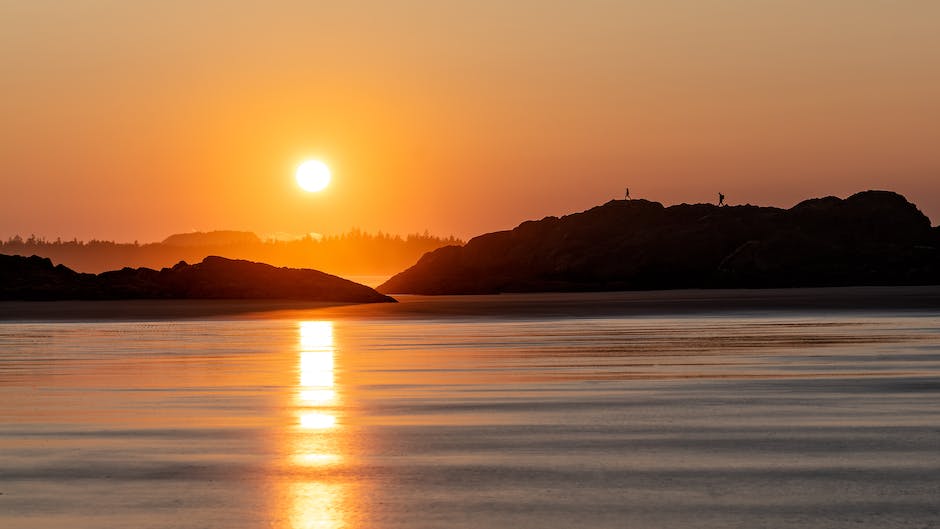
x=316 y=503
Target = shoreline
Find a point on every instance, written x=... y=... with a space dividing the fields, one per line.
x=579 y=304
x=146 y=309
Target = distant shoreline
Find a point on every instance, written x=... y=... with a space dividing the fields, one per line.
x=575 y=305
x=145 y=309
x=656 y=303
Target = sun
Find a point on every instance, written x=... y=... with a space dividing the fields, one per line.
x=313 y=176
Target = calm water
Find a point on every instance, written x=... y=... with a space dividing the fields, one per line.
x=373 y=417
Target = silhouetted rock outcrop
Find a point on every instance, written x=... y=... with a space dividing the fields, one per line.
x=35 y=278
x=871 y=238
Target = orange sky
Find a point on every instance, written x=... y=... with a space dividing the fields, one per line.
x=134 y=120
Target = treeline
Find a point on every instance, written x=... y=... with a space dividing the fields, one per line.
x=352 y=253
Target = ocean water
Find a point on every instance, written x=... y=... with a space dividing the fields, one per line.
x=385 y=417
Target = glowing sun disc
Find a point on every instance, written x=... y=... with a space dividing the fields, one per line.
x=313 y=175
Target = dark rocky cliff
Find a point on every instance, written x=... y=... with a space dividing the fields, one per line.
x=871 y=238
x=35 y=278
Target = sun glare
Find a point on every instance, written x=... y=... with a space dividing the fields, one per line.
x=313 y=176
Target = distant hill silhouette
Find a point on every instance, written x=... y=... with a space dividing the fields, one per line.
x=353 y=253
x=35 y=278
x=212 y=238
x=871 y=238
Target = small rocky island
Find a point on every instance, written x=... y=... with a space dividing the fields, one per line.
x=870 y=238
x=36 y=278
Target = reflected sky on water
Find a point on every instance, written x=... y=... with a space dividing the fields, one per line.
x=329 y=422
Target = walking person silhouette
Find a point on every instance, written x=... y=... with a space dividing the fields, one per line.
x=721 y=200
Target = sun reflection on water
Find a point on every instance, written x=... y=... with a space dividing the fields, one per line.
x=316 y=501
x=316 y=336
x=316 y=387
x=317 y=421
x=316 y=505
x=317 y=396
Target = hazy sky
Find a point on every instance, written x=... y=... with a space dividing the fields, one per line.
x=134 y=120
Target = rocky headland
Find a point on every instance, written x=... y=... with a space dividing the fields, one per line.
x=870 y=238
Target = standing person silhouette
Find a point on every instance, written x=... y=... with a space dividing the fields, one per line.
x=626 y=194
x=721 y=199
